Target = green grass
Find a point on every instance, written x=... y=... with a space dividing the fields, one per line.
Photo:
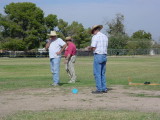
x=83 y=115
x=144 y=95
x=17 y=73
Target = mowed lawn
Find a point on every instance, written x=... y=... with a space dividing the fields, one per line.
x=83 y=115
x=17 y=73
x=21 y=73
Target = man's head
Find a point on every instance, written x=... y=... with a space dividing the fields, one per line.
x=53 y=35
x=96 y=28
x=68 y=39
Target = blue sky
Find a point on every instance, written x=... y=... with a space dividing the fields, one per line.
x=139 y=14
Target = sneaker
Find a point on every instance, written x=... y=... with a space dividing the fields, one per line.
x=104 y=91
x=71 y=81
x=97 y=92
x=54 y=84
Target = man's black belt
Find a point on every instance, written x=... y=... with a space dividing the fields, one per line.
x=99 y=54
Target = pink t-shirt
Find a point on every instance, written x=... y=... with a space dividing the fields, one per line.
x=71 y=49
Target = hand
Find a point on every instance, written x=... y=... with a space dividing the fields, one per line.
x=49 y=41
x=65 y=61
x=89 y=48
x=58 y=53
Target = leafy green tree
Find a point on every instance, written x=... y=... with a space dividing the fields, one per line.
x=51 y=22
x=1 y=28
x=24 y=21
x=25 y=24
x=138 y=44
x=62 y=28
x=86 y=38
x=141 y=34
x=80 y=35
x=117 y=36
x=116 y=26
x=13 y=44
x=156 y=45
x=118 y=42
x=140 y=40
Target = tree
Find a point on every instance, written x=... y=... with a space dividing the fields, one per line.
x=86 y=38
x=117 y=36
x=141 y=34
x=116 y=26
x=156 y=45
x=1 y=29
x=51 y=22
x=140 y=40
x=118 y=42
x=138 y=44
x=62 y=28
x=13 y=44
x=80 y=35
x=25 y=24
x=24 y=21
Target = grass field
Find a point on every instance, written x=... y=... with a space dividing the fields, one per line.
x=84 y=115
x=20 y=73
x=17 y=73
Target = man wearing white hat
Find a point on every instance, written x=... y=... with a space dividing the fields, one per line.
x=99 y=46
x=55 y=46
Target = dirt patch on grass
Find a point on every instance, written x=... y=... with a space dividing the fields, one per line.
x=117 y=98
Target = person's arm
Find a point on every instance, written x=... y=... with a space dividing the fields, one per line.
x=69 y=54
x=62 y=44
x=93 y=45
x=62 y=49
x=90 y=48
x=67 y=58
x=48 y=44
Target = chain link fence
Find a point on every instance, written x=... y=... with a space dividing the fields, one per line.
x=111 y=52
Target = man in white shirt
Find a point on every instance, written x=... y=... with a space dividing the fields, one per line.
x=55 y=46
x=99 y=46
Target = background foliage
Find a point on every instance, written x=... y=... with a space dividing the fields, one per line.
x=24 y=27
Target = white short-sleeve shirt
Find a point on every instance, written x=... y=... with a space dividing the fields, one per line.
x=100 y=42
x=55 y=47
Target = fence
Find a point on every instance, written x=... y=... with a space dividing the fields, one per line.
x=111 y=52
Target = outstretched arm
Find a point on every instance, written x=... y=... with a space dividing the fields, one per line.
x=63 y=47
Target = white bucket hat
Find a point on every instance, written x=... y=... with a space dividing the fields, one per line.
x=52 y=33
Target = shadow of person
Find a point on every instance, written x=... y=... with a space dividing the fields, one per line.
x=61 y=84
x=109 y=89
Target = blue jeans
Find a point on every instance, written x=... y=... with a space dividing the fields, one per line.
x=55 y=69
x=99 y=67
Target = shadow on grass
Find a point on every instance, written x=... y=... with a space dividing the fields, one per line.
x=66 y=83
x=61 y=84
x=109 y=89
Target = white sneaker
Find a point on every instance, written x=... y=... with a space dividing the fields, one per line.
x=71 y=81
x=54 y=84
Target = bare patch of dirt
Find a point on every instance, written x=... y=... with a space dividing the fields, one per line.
x=117 y=98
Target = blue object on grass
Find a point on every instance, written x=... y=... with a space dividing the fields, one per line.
x=75 y=91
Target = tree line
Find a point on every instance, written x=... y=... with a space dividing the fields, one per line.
x=24 y=27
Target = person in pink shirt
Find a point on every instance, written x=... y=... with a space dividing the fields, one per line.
x=70 y=58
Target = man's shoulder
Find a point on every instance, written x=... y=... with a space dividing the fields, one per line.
x=71 y=44
x=59 y=39
x=100 y=33
x=94 y=36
